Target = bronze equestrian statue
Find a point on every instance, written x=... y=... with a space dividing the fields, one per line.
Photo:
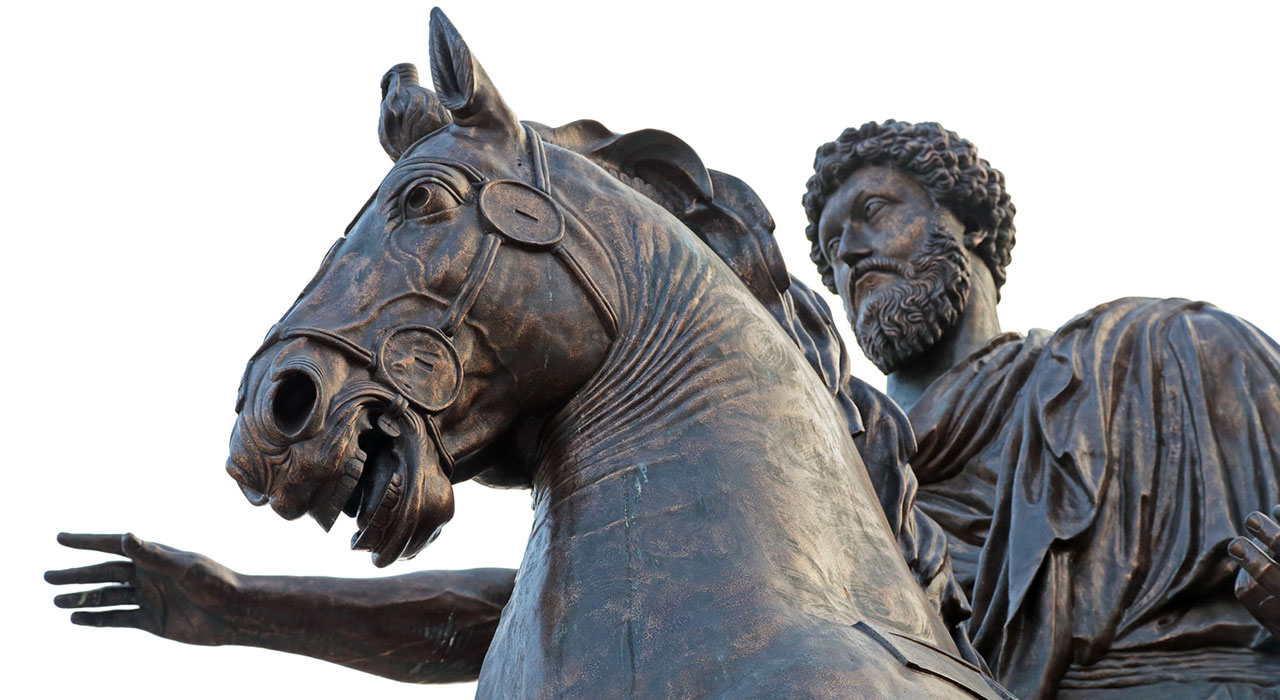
x=600 y=318
x=505 y=309
x=1089 y=480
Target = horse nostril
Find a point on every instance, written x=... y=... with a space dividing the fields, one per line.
x=293 y=402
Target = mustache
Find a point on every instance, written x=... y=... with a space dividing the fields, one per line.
x=880 y=264
x=901 y=320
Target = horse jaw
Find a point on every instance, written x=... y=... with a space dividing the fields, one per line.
x=403 y=497
x=384 y=472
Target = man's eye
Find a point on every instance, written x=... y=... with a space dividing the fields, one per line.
x=426 y=198
x=871 y=208
x=833 y=247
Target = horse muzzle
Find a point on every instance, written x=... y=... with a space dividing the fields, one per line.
x=304 y=446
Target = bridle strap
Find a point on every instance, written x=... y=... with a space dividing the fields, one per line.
x=332 y=340
x=542 y=180
x=466 y=297
x=603 y=308
x=470 y=290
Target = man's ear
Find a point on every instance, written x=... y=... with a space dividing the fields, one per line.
x=974 y=237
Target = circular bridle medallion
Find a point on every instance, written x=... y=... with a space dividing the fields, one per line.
x=521 y=214
x=422 y=364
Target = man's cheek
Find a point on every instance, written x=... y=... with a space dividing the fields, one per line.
x=844 y=284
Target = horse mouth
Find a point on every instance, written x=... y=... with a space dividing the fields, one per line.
x=368 y=488
x=376 y=487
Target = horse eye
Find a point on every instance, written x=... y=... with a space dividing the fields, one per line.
x=427 y=197
x=417 y=197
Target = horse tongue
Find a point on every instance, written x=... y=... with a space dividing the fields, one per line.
x=377 y=501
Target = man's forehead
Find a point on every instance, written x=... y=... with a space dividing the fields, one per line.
x=879 y=178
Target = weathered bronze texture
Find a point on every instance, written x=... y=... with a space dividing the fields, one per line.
x=1258 y=583
x=397 y=373
x=1089 y=480
x=601 y=318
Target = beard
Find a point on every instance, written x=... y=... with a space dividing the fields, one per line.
x=899 y=321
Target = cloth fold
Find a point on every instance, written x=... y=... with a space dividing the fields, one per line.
x=1088 y=481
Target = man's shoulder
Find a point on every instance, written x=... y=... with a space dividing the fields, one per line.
x=1093 y=346
x=1130 y=320
x=1137 y=310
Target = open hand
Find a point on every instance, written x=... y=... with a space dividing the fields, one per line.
x=179 y=595
x=1258 y=583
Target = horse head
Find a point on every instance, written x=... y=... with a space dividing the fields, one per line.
x=454 y=307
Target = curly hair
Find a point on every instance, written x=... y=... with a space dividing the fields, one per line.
x=947 y=166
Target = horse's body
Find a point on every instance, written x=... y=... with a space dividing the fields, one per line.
x=705 y=527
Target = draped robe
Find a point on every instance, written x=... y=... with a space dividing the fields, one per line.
x=1088 y=482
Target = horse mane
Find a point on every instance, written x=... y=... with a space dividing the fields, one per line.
x=727 y=215
x=720 y=209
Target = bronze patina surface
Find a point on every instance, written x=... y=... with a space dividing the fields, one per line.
x=1089 y=479
x=406 y=369
x=506 y=309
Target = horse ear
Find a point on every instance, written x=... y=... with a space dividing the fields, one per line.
x=409 y=111
x=463 y=86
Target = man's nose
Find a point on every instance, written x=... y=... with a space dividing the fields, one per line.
x=852 y=249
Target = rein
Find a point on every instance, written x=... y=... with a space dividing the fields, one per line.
x=419 y=363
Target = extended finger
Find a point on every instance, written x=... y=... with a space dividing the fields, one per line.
x=150 y=555
x=98 y=598
x=108 y=618
x=108 y=572
x=98 y=543
x=1261 y=567
x=1265 y=529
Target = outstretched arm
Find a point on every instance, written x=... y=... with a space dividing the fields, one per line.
x=1258 y=583
x=427 y=627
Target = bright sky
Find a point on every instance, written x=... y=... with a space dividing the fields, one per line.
x=172 y=176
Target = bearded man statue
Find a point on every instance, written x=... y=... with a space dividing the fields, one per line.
x=1088 y=480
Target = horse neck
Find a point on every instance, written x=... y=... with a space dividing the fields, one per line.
x=706 y=448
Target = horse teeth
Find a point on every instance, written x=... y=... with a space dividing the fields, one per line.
x=358 y=540
x=364 y=540
x=327 y=514
x=346 y=484
x=370 y=537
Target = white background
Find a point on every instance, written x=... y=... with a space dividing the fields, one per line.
x=172 y=175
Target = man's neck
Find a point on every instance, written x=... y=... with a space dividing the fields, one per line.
x=977 y=325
